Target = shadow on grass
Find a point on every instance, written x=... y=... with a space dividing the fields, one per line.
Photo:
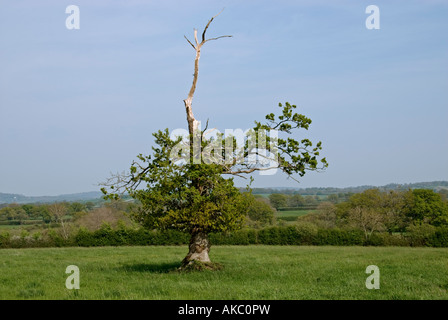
x=151 y=267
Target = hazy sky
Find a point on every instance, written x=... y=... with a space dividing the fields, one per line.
x=76 y=105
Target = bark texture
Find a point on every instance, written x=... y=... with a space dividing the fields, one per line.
x=198 y=249
x=199 y=243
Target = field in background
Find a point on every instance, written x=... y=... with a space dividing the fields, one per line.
x=250 y=272
x=292 y=215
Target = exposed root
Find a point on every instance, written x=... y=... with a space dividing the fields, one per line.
x=196 y=265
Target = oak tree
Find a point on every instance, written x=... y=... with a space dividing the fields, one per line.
x=187 y=183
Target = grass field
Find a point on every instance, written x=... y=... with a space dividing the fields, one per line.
x=292 y=215
x=250 y=272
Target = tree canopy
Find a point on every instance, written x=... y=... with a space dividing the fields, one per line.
x=181 y=185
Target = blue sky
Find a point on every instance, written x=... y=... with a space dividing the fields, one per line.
x=76 y=105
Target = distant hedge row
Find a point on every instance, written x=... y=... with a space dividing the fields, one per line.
x=333 y=237
x=289 y=235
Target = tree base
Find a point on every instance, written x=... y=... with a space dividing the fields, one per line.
x=196 y=265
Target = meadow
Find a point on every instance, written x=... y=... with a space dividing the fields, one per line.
x=292 y=215
x=249 y=272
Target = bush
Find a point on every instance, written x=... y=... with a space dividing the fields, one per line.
x=240 y=237
x=307 y=232
x=269 y=236
x=420 y=235
x=304 y=233
x=261 y=212
x=84 y=238
x=440 y=237
x=170 y=237
x=338 y=237
x=5 y=239
x=106 y=236
x=386 y=239
x=288 y=235
x=56 y=240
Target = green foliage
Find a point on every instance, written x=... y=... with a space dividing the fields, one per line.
x=307 y=232
x=278 y=200
x=396 y=210
x=440 y=237
x=106 y=236
x=260 y=212
x=426 y=206
x=387 y=239
x=23 y=214
x=57 y=240
x=304 y=233
x=4 y=239
x=443 y=194
x=178 y=190
x=371 y=198
x=296 y=200
x=185 y=197
x=76 y=208
x=270 y=236
x=289 y=235
x=339 y=237
x=420 y=234
x=240 y=237
x=295 y=157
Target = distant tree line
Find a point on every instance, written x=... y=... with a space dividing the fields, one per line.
x=413 y=217
x=280 y=200
x=46 y=213
x=384 y=211
x=433 y=185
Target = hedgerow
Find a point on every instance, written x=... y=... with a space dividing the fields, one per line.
x=301 y=234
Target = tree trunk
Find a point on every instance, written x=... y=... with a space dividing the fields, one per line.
x=198 y=249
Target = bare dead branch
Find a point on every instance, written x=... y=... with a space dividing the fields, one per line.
x=249 y=170
x=190 y=42
x=208 y=24
x=192 y=122
x=196 y=37
x=238 y=175
x=227 y=36
x=205 y=129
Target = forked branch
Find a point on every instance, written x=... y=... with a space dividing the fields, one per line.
x=192 y=122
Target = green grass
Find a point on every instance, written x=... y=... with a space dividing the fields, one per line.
x=292 y=215
x=9 y=227
x=250 y=272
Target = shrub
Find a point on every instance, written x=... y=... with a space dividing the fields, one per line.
x=106 y=236
x=386 y=239
x=5 y=239
x=338 y=237
x=288 y=235
x=240 y=237
x=269 y=236
x=307 y=232
x=56 y=239
x=420 y=234
x=140 y=237
x=170 y=237
x=304 y=233
x=261 y=212
x=37 y=236
x=96 y=218
x=440 y=237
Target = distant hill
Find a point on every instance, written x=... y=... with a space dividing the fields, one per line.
x=21 y=199
x=433 y=185
x=97 y=195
